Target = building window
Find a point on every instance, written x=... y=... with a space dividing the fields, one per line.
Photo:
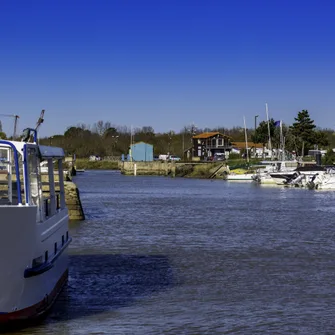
x=220 y=142
x=213 y=142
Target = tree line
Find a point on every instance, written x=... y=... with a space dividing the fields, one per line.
x=105 y=139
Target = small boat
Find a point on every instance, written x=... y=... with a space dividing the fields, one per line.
x=322 y=181
x=44 y=167
x=239 y=177
x=34 y=231
x=263 y=175
x=80 y=170
x=298 y=177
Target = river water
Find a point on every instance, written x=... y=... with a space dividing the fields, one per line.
x=183 y=256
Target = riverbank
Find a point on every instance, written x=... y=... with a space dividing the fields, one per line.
x=86 y=164
x=200 y=170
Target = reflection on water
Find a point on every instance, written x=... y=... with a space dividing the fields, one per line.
x=179 y=256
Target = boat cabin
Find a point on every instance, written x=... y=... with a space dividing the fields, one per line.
x=21 y=181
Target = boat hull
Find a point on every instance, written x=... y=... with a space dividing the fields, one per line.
x=239 y=177
x=35 y=312
x=35 y=271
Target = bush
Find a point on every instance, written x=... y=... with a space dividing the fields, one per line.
x=234 y=156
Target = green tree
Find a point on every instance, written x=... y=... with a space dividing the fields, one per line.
x=303 y=131
x=3 y=136
x=329 y=158
x=261 y=134
x=321 y=138
x=112 y=131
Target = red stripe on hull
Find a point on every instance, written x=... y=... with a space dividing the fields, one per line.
x=36 y=310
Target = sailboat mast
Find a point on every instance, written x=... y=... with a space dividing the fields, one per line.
x=282 y=140
x=269 y=133
x=246 y=139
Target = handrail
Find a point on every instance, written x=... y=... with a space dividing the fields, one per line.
x=25 y=170
x=17 y=171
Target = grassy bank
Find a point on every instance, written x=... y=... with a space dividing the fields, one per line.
x=197 y=170
x=205 y=170
x=82 y=163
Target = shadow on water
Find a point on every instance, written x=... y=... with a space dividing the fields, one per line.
x=99 y=284
x=102 y=283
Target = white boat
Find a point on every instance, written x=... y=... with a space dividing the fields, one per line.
x=263 y=175
x=322 y=181
x=232 y=176
x=34 y=231
x=44 y=167
x=299 y=177
x=238 y=176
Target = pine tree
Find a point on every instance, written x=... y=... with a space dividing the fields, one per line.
x=303 y=130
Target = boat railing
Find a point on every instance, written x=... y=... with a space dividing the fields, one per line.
x=10 y=174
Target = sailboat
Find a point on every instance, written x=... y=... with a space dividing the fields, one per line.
x=276 y=170
x=233 y=176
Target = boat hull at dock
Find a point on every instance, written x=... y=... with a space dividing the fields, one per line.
x=239 y=177
x=33 y=275
x=34 y=234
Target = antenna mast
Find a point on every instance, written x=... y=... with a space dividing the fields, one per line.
x=16 y=117
x=267 y=118
x=246 y=139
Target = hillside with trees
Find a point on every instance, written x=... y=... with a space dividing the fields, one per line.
x=106 y=139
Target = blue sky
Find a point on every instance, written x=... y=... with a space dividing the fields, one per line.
x=166 y=63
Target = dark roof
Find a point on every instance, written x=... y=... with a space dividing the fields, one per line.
x=210 y=134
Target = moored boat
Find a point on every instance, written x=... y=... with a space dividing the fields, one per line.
x=239 y=177
x=322 y=181
x=297 y=177
x=264 y=175
x=34 y=230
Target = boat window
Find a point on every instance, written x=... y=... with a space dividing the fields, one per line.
x=34 y=182
x=8 y=181
x=33 y=176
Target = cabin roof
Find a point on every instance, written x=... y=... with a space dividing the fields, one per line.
x=51 y=152
x=210 y=134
